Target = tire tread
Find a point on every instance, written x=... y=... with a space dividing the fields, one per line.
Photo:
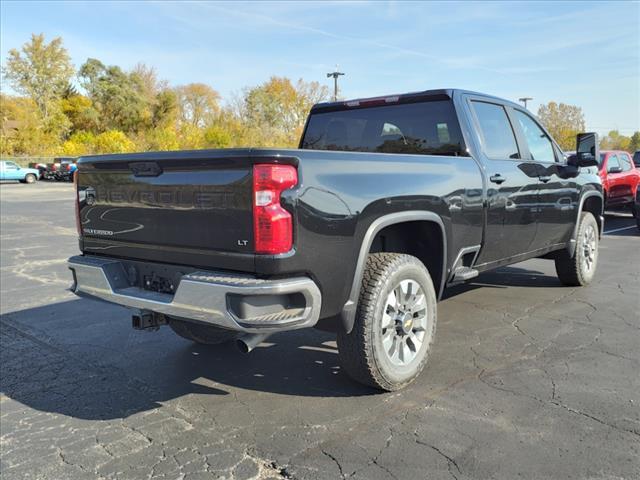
x=356 y=348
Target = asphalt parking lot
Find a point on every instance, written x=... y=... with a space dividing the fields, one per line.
x=528 y=379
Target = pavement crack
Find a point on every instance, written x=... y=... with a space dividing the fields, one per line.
x=335 y=460
x=451 y=462
x=565 y=407
x=596 y=419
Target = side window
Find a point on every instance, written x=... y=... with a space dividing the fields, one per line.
x=625 y=162
x=540 y=146
x=498 y=139
x=11 y=166
x=612 y=162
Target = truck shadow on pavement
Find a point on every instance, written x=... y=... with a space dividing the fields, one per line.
x=82 y=359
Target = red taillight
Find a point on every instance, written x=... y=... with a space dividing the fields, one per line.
x=75 y=187
x=272 y=224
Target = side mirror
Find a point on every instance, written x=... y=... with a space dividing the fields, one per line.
x=615 y=170
x=587 y=151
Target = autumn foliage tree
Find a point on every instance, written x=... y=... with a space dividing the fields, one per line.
x=563 y=122
x=40 y=71
x=279 y=108
x=614 y=140
x=198 y=104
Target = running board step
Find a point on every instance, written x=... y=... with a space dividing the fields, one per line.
x=462 y=274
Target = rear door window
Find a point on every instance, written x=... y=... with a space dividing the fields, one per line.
x=427 y=128
x=540 y=145
x=498 y=140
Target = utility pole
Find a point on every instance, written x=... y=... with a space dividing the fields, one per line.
x=335 y=74
x=524 y=100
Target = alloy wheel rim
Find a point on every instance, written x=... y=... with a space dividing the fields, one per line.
x=589 y=248
x=404 y=323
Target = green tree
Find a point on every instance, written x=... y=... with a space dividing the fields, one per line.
x=40 y=71
x=634 y=144
x=161 y=101
x=563 y=121
x=117 y=95
x=164 y=109
x=216 y=136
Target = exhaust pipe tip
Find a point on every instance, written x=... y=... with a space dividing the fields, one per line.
x=242 y=346
x=250 y=341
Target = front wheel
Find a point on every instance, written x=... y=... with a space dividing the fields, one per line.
x=395 y=323
x=579 y=269
x=30 y=178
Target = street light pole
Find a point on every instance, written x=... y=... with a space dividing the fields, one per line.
x=524 y=100
x=335 y=74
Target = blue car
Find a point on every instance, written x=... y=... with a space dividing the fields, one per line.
x=13 y=171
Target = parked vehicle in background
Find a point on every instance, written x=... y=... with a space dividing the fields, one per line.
x=66 y=169
x=61 y=169
x=13 y=171
x=41 y=167
x=636 y=159
x=620 y=179
x=387 y=202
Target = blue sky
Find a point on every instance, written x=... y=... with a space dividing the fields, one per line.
x=582 y=53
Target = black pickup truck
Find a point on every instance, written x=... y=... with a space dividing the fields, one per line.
x=387 y=202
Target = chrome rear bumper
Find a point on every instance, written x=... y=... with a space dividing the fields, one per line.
x=241 y=303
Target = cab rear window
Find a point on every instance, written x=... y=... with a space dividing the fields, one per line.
x=427 y=128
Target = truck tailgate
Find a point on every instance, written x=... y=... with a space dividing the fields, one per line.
x=160 y=203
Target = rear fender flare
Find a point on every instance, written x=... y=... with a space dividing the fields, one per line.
x=348 y=313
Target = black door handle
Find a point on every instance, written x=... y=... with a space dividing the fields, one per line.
x=497 y=178
x=545 y=178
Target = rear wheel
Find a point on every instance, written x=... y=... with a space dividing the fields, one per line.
x=579 y=269
x=203 y=334
x=395 y=323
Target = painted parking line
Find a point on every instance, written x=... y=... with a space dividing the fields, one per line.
x=620 y=229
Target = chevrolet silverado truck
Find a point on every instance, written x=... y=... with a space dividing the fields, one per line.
x=386 y=203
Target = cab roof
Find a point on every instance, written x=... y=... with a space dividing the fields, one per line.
x=425 y=95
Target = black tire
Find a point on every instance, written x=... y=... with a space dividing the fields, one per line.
x=577 y=270
x=30 y=178
x=202 y=334
x=362 y=354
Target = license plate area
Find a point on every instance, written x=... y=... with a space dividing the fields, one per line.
x=155 y=277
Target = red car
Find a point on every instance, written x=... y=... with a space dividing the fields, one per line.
x=620 y=179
